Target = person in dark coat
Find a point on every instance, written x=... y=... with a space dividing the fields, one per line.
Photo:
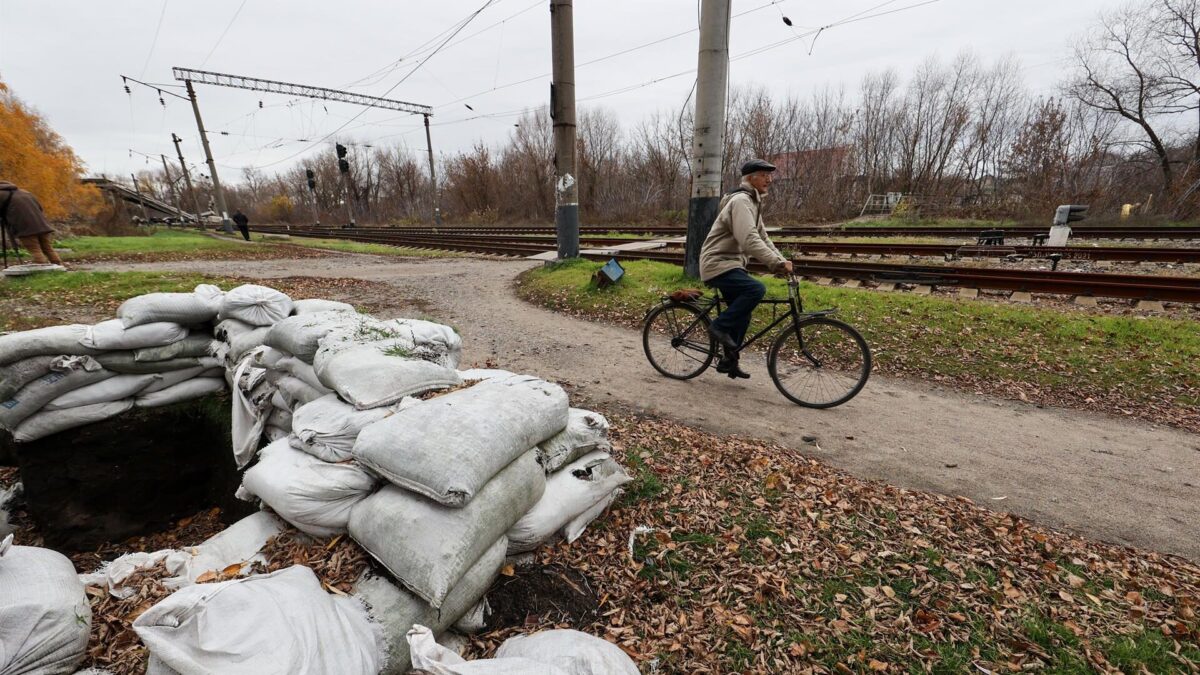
x=23 y=217
x=243 y=224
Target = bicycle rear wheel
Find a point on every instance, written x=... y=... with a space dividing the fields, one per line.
x=821 y=363
x=676 y=341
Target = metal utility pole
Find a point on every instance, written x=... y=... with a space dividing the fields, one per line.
x=312 y=191
x=212 y=166
x=187 y=177
x=708 y=141
x=437 y=209
x=141 y=203
x=562 y=111
x=171 y=188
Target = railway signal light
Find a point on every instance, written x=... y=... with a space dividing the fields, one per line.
x=1069 y=213
x=312 y=179
x=343 y=166
x=341 y=150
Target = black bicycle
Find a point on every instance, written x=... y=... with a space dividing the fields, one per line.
x=816 y=362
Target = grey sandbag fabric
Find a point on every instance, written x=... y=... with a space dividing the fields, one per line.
x=301 y=335
x=52 y=341
x=174 y=377
x=230 y=328
x=184 y=391
x=199 y=306
x=196 y=344
x=44 y=613
x=368 y=378
x=396 y=610
x=327 y=428
x=297 y=391
x=106 y=391
x=449 y=447
x=49 y=422
x=113 y=335
x=256 y=305
x=411 y=338
x=66 y=374
x=243 y=343
x=314 y=305
x=21 y=373
x=429 y=547
x=302 y=371
x=586 y=431
x=126 y=362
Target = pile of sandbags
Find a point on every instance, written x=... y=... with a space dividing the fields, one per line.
x=156 y=352
x=44 y=613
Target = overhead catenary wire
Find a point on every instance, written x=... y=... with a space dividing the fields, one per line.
x=154 y=40
x=223 y=33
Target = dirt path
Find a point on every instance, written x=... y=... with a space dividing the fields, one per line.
x=1118 y=480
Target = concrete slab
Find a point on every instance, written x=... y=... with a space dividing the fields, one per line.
x=923 y=289
x=970 y=293
x=1150 y=306
x=674 y=240
x=885 y=286
x=598 y=251
x=548 y=256
x=1085 y=301
x=853 y=283
x=1021 y=296
x=640 y=246
x=824 y=281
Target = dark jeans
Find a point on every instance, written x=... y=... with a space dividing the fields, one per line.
x=743 y=293
x=245 y=231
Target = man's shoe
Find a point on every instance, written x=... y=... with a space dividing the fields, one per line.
x=730 y=367
x=723 y=338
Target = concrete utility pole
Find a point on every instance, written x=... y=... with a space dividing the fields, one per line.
x=708 y=141
x=437 y=209
x=171 y=188
x=141 y=203
x=344 y=170
x=187 y=177
x=212 y=166
x=562 y=111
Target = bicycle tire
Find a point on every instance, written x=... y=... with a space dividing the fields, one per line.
x=843 y=384
x=699 y=353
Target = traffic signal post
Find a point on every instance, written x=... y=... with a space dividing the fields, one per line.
x=1060 y=231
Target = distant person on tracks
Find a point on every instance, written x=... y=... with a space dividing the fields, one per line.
x=243 y=224
x=21 y=214
x=738 y=235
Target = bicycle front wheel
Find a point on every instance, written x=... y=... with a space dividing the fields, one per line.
x=819 y=363
x=676 y=341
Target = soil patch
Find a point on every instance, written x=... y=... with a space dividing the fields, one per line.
x=541 y=595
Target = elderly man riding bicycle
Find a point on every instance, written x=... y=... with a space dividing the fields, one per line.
x=737 y=236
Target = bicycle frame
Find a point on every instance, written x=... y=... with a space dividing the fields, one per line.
x=795 y=312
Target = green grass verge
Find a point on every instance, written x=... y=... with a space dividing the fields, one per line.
x=1046 y=354
x=930 y=222
x=158 y=242
x=357 y=247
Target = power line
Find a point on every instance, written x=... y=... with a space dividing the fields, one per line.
x=154 y=42
x=223 y=33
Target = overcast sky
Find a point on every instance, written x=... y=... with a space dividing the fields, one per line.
x=65 y=58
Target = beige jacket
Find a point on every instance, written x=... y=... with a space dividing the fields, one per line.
x=737 y=236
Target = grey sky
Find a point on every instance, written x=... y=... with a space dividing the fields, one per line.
x=65 y=58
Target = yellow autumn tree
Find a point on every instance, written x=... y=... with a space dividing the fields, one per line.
x=37 y=159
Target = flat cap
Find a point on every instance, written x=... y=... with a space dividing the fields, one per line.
x=756 y=165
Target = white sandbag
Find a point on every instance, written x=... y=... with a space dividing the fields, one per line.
x=432 y=341
x=21 y=373
x=113 y=574
x=125 y=362
x=369 y=378
x=44 y=613
x=273 y=433
x=268 y=357
x=301 y=335
x=251 y=397
x=396 y=610
x=575 y=652
x=327 y=428
x=429 y=547
x=256 y=305
x=297 y=392
x=475 y=619
x=242 y=344
x=52 y=341
x=199 y=306
x=228 y=329
x=314 y=305
x=66 y=374
x=313 y=495
x=433 y=659
x=195 y=344
x=586 y=431
x=113 y=389
x=282 y=622
x=239 y=544
x=7 y=496
x=479 y=374
x=50 y=422
x=301 y=371
x=447 y=448
x=280 y=417
x=113 y=335
x=410 y=338
x=174 y=377
x=184 y=391
x=278 y=401
x=596 y=478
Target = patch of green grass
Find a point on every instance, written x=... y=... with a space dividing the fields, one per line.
x=156 y=242
x=1148 y=650
x=646 y=483
x=1144 y=359
x=357 y=247
x=929 y=222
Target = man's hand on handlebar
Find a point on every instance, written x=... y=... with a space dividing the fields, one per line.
x=786 y=268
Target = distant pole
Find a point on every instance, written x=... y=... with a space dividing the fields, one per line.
x=562 y=111
x=708 y=142
x=344 y=170
x=187 y=177
x=141 y=202
x=312 y=190
x=226 y=225
x=171 y=188
x=437 y=209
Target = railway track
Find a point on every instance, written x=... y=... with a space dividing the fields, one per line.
x=1127 y=286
